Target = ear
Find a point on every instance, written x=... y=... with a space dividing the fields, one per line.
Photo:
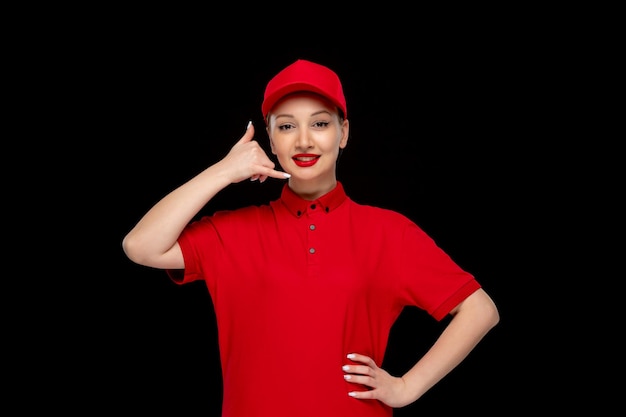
x=345 y=133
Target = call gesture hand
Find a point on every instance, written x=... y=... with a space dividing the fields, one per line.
x=246 y=159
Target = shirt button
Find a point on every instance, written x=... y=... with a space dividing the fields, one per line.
x=312 y=250
x=313 y=206
x=312 y=227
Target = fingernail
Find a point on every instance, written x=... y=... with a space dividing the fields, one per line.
x=345 y=368
x=347 y=377
x=352 y=393
x=249 y=124
x=287 y=175
x=350 y=356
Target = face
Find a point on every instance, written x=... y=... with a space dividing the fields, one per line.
x=306 y=133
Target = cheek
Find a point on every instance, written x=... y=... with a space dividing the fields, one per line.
x=280 y=150
x=338 y=143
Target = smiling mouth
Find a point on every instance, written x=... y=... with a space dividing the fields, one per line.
x=305 y=160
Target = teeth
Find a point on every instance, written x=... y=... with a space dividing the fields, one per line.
x=306 y=159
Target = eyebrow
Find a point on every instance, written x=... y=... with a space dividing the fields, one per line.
x=312 y=114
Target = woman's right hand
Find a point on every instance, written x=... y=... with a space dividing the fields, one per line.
x=247 y=160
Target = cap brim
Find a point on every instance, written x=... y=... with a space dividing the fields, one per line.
x=271 y=100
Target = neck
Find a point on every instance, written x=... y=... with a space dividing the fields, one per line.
x=311 y=190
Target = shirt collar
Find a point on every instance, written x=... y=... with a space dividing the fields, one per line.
x=328 y=202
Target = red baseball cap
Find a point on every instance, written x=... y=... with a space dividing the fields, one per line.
x=304 y=75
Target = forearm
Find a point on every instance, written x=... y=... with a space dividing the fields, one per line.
x=473 y=320
x=158 y=230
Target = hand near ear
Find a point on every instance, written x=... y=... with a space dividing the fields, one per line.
x=246 y=159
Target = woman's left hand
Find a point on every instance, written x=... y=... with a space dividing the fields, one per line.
x=384 y=387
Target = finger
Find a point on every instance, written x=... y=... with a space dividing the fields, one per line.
x=262 y=178
x=358 y=369
x=279 y=174
x=265 y=172
x=363 y=395
x=356 y=357
x=360 y=379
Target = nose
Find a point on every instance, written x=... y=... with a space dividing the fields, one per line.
x=304 y=140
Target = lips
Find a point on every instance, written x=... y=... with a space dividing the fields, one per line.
x=305 y=160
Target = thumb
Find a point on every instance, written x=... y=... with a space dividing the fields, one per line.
x=247 y=137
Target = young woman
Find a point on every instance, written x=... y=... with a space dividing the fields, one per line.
x=307 y=287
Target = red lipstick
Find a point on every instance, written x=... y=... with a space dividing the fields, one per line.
x=305 y=159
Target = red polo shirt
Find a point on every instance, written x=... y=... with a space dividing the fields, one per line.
x=297 y=285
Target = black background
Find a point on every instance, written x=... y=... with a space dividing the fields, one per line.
x=446 y=130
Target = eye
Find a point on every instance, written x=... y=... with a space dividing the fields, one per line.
x=320 y=125
x=285 y=127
